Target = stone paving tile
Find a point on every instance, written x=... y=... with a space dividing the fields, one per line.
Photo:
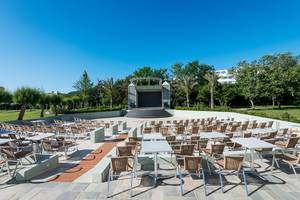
x=68 y=196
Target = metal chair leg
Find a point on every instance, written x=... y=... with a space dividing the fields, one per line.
x=294 y=170
x=221 y=182
x=131 y=179
x=108 y=184
x=208 y=166
x=181 y=182
x=245 y=182
x=204 y=181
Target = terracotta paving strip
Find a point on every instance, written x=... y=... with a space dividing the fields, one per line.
x=88 y=162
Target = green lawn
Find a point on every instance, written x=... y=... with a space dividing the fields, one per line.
x=288 y=113
x=13 y=115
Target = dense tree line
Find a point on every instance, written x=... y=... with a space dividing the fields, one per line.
x=269 y=80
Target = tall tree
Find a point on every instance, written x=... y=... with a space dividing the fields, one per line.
x=212 y=79
x=108 y=85
x=248 y=79
x=84 y=86
x=186 y=83
x=56 y=101
x=5 y=96
x=26 y=96
x=44 y=100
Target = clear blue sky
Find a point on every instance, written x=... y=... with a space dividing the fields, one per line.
x=47 y=44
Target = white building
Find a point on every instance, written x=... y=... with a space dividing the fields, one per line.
x=225 y=76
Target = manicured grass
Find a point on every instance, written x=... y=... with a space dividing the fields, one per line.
x=288 y=113
x=13 y=115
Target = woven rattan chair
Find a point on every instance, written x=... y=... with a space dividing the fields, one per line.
x=289 y=144
x=192 y=165
x=262 y=125
x=164 y=131
x=269 y=136
x=179 y=130
x=194 y=130
x=292 y=160
x=170 y=138
x=231 y=165
x=147 y=130
x=215 y=152
x=124 y=151
x=270 y=124
x=117 y=166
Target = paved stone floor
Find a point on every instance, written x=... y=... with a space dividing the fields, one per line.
x=281 y=184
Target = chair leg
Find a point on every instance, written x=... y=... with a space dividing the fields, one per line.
x=245 y=182
x=131 y=179
x=208 y=166
x=294 y=169
x=204 y=181
x=181 y=182
x=108 y=184
x=221 y=182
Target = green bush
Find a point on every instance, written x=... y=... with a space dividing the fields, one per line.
x=94 y=109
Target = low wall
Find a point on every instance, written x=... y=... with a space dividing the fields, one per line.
x=225 y=115
x=88 y=115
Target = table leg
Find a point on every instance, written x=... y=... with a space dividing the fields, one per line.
x=252 y=159
x=155 y=167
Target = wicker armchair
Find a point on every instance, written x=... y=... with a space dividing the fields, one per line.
x=192 y=165
x=292 y=160
x=117 y=166
x=231 y=165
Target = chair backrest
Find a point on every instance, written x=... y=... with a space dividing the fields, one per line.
x=261 y=125
x=119 y=164
x=133 y=139
x=192 y=163
x=223 y=128
x=170 y=138
x=270 y=124
x=247 y=135
x=217 y=148
x=147 y=130
x=202 y=144
x=233 y=162
x=187 y=149
x=244 y=127
x=195 y=138
x=180 y=130
x=291 y=143
x=47 y=145
x=12 y=136
x=195 y=129
x=124 y=151
x=8 y=153
x=164 y=130
x=208 y=128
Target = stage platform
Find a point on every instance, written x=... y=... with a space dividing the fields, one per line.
x=148 y=112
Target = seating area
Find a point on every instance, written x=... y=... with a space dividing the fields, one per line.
x=205 y=156
x=205 y=148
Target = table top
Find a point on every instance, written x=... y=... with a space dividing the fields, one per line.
x=38 y=121
x=212 y=135
x=253 y=143
x=40 y=136
x=161 y=146
x=262 y=130
x=153 y=136
x=4 y=140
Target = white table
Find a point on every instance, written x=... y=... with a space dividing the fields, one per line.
x=252 y=144
x=40 y=136
x=37 y=138
x=212 y=135
x=38 y=121
x=4 y=141
x=153 y=136
x=155 y=145
x=262 y=131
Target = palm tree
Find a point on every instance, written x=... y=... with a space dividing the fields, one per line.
x=187 y=83
x=109 y=87
x=26 y=96
x=212 y=79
